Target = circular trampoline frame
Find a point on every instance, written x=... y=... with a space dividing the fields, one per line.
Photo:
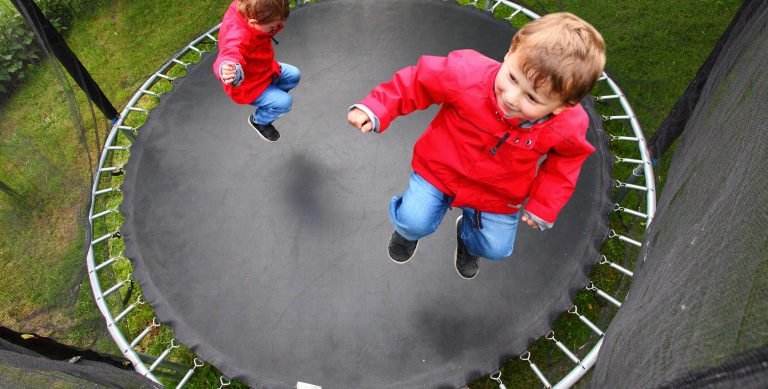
x=114 y=313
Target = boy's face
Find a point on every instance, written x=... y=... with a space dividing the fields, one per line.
x=516 y=96
x=267 y=27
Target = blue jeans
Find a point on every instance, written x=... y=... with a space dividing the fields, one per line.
x=275 y=101
x=418 y=212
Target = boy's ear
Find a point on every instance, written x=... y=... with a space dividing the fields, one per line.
x=253 y=23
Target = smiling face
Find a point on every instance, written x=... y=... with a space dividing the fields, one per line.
x=517 y=96
x=268 y=27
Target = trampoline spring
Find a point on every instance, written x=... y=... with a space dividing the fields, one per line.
x=103 y=191
x=193 y=48
x=497 y=377
x=631 y=212
x=565 y=350
x=167 y=78
x=526 y=356
x=587 y=322
x=493 y=7
x=510 y=17
x=630 y=160
x=102 y=238
x=106 y=263
x=114 y=288
x=125 y=128
x=607 y=97
x=122 y=314
x=625 y=138
x=605 y=261
x=149 y=92
x=164 y=355
x=617 y=117
x=623 y=238
x=135 y=109
x=108 y=169
x=117 y=148
x=182 y=63
x=606 y=296
x=146 y=332
x=102 y=214
x=631 y=186
x=224 y=382
x=211 y=37
x=195 y=364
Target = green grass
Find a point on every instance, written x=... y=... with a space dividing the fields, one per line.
x=654 y=50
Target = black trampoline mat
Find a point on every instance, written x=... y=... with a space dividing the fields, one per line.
x=270 y=260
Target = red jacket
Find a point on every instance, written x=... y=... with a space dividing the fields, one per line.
x=252 y=49
x=456 y=152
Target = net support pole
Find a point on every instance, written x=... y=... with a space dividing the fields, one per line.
x=47 y=33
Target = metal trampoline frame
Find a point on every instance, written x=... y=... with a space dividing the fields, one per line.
x=149 y=365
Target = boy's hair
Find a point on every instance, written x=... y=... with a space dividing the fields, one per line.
x=562 y=52
x=264 y=11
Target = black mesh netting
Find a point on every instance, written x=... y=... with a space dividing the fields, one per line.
x=697 y=312
x=28 y=361
x=49 y=144
x=48 y=150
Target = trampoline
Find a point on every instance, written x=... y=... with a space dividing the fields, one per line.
x=270 y=260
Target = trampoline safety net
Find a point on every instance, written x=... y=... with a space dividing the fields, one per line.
x=696 y=313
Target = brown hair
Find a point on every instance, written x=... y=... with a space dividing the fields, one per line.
x=264 y=11
x=563 y=52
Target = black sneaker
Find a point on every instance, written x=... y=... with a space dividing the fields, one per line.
x=466 y=264
x=401 y=249
x=266 y=131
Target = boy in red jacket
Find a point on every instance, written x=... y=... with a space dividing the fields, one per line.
x=481 y=152
x=246 y=62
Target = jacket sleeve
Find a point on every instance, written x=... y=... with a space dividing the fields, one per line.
x=411 y=88
x=229 y=49
x=556 y=179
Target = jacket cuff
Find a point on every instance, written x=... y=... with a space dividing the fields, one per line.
x=379 y=111
x=543 y=224
x=238 y=72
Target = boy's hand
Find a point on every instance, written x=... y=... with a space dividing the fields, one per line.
x=530 y=222
x=358 y=119
x=228 y=70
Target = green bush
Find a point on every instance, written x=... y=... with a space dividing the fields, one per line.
x=18 y=49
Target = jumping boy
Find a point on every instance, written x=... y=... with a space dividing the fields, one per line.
x=481 y=152
x=246 y=62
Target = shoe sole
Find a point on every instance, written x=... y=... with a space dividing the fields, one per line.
x=409 y=259
x=456 y=254
x=248 y=119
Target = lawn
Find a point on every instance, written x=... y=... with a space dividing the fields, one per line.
x=654 y=50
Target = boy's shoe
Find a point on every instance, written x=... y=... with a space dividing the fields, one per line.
x=466 y=264
x=266 y=131
x=401 y=249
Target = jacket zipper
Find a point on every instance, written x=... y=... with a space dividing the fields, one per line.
x=501 y=142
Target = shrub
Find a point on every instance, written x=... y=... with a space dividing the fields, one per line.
x=19 y=51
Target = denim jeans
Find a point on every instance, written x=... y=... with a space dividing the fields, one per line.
x=275 y=101
x=419 y=211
